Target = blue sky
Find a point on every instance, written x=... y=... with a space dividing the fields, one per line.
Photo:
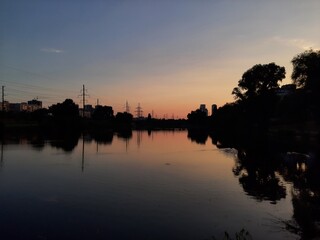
x=168 y=55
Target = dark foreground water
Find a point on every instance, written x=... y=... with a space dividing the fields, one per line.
x=159 y=185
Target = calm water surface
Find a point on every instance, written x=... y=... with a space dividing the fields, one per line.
x=159 y=185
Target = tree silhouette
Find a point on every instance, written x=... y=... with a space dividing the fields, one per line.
x=103 y=113
x=124 y=118
x=258 y=80
x=306 y=75
x=306 y=70
x=197 y=117
x=66 y=109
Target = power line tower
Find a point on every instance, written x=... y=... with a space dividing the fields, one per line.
x=127 y=107
x=139 y=111
x=83 y=95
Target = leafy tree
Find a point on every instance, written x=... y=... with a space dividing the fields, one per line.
x=258 y=80
x=197 y=117
x=306 y=75
x=66 y=109
x=103 y=113
x=124 y=117
x=306 y=70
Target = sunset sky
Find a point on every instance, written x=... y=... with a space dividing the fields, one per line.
x=170 y=56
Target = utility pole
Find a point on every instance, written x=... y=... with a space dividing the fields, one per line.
x=139 y=111
x=127 y=107
x=83 y=99
x=83 y=95
x=3 y=98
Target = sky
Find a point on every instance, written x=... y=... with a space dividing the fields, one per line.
x=170 y=55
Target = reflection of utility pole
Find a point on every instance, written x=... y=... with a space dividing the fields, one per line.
x=1 y=162
x=139 y=138
x=127 y=144
x=82 y=163
x=83 y=99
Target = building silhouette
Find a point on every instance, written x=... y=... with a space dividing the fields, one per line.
x=29 y=106
x=203 y=108
x=213 y=109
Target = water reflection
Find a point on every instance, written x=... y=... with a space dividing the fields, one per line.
x=197 y=135
x=257 y=172
x=125 y=134
x=67 y=142
x=1 y=157
x=303 y=171
x=262 y=161
x=104 y=138
x=267 y=171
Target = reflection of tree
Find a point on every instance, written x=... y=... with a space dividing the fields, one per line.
x=306 y=212
x=262 y=160
x=197 y=135
x=256 y=166
x=37 y=142
x=1 y=155
x=257 y=176
x=125 y=134
x=303 y=172
x=66 y=142
x=103 y=137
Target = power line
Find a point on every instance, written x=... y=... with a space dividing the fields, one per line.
x=127 y=107
x=139 y=111
x=21 y=91
x=28 y=85
x=83 y=95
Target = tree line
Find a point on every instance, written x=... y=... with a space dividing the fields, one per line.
x=260 y=105
x=257 y=106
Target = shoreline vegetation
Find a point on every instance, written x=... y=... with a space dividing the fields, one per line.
x=260 y=107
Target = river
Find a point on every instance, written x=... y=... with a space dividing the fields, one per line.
x=147 y=185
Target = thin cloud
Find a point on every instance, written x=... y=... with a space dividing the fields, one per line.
x=295 y=42
x=51 y=50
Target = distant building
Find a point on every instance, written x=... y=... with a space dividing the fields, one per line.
x=5 y=105
x=213 y=109
x=34 y=105
x=15 y=107
x=30 y=106
x=23 y=107
x=203 y=108
x=88 y=111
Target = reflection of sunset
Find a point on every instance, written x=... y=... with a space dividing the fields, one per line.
x=172 y=151
x=150 y=178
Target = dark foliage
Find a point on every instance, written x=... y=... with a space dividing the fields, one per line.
x=66 y=109
x=103 y=113
x=198 y=117
x=124 y=117
x=306 y=70
x=258 y=80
